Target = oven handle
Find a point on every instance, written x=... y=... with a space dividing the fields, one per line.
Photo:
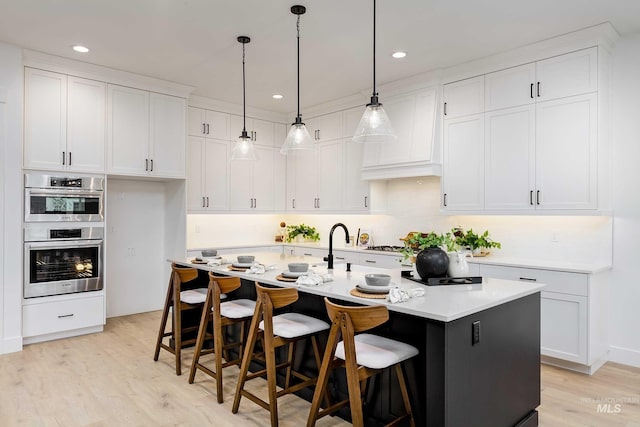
x=63 y=244
x=65 y=192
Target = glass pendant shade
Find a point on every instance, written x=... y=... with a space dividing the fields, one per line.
x=244 y=149
x=298 y=138
x=374 y=126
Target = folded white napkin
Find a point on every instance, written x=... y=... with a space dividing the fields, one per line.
x=193 y=296
x=257 y=268
x=313 y=279
x=400 y=295
x=216 y=261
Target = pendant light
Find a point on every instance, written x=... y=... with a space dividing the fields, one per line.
x=374 y=126
x=244 y=149
x=298 y=137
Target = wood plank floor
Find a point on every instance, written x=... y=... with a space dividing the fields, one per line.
x=110 y=379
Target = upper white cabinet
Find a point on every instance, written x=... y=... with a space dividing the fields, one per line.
x=260 y=131
x=145 y=133
x=327 y=127
x=64 y=122
x=540 y=138
x=355 y=189
x=251 y=182
x=412 y=116
x=209 y=124
x=463 y=98
x=207 y=171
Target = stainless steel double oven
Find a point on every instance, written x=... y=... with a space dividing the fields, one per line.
x=63 y=234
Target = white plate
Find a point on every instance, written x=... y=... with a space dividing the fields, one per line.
x=241 y=264
x=211 y=258
x=374 y=289
x=294 y=274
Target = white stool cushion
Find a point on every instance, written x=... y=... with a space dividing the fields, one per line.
x=237 y=309
x=195 y=296
x=377 y=352
x=292 y=325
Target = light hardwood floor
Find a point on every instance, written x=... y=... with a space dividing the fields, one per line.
x=110 y=379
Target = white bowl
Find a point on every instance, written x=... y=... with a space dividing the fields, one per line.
x=298 y=267
x=245 y=259
x=375 y=279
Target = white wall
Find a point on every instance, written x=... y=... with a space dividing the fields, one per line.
x=625 y=337
x=11 y=106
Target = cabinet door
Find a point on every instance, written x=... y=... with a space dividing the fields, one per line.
x=330 y=127
x=563 y=326
x=279 y=179
x=241 y=184
x=263 y=179
x=464 y=97
x=279 y=134
x=167 y=148
x=217 y=125
x=463 y=169
x=401 y=110
x=303 y=180
x=509 y=165
x=85 y=124
x=356 y=190
x=263 y=132
x=566 y=139
x=423 y=126
x=127 y=131
x=45 y=129
x=510 y=88
x=216 y=167
x=567 y=75
x=195 y=175
x=330 y=176
x=197 y=122
x=351 y=118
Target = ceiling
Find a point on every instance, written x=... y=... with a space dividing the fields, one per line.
x=194 y=41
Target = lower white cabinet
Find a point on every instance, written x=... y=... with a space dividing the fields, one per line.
x=63 y=315
x=573 y=317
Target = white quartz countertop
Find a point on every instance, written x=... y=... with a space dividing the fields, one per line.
x=441 y=303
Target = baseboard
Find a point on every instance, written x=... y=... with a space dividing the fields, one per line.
x=11 y=345
x=572 y=366
x=64 y=334
x=625 y=356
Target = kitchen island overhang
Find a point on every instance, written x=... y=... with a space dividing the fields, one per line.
x=479 y=361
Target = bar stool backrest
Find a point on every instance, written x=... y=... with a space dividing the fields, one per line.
x=361 y=318
x=278 y=297
x=184 y=274
x=226 y=284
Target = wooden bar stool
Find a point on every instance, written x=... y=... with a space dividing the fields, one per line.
x=179 y=301
x=362 y=355
x=221 y=315
x=276 y=331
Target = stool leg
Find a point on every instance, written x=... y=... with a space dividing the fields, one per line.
x=246 y=358
x=292 y=350
x=405 y=394
x=177 y=329
x=270 y=356
x=316 y=355
x=163 y=320
x=323 y=375
x=202 y=332
x=217 y=349
x=353 y=384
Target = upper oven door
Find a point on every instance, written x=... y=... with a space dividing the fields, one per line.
x=62 y=205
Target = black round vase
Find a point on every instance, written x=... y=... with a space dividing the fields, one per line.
x=432 y=262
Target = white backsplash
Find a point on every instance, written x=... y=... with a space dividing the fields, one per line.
x=414 y=205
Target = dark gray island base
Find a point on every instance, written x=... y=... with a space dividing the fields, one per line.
x=452 y=382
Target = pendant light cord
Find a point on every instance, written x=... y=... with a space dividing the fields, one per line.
x=374 y=49
x=298 y=41
x=244 y=100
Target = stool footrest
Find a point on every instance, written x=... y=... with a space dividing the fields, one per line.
x=333 y=408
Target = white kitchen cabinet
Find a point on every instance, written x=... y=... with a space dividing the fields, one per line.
x=355 y=189
x=573 y=318
x=464 y=97
x=463 y=178
x=209 y=124
x=566 y=153
x=509 y=162
x=330 y=176
x=145 y=133
x=260 y=131
x=56 y=315
x=64 y=122
x=510 y=88
x=251 y=182
x=302 y=180
x=379 y=261
x=208 y=164
x=565 y=75
x=327 y=127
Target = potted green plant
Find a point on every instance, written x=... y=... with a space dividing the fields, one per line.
x=302 y=231
x=473 y=241
x=430 y=259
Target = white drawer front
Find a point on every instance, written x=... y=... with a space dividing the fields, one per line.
x=555 y=281
x=345 y=256
x=46 y=318
x=380 y=261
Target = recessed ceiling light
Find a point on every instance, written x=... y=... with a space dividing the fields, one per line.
x=81 y=49
x=276 y=96
x=399 y=54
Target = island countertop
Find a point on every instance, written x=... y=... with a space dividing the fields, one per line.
x=440 y=303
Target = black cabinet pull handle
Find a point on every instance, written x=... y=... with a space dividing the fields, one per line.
x=531 y=197
x=528 y=279
x=62 y=316
x=146 y=165
x=293 y=203
x=538 y=89
x=203 y=204
x=538 y=197
x=531 y=91
x=207 y=201
x=204 y=128
x=255 y=203
x=365 y=201
x=445 y=108
x=151 y=165
x=445 y=199
x=69 y=158
x=64 y=157
x=307 y=254
x=207 y=128
x=370 y=261
x=318 y=134
x=318 y=203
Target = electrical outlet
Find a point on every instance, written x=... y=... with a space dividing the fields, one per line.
x=475 y=335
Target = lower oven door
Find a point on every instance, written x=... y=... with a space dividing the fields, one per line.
x=53 y=268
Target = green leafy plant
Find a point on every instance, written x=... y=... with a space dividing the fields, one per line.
x=471 y=240
x=308 y=232
x=419 y=241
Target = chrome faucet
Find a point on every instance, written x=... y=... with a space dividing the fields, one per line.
x=329 y=258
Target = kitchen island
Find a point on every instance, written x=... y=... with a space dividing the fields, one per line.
x=479 y=344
